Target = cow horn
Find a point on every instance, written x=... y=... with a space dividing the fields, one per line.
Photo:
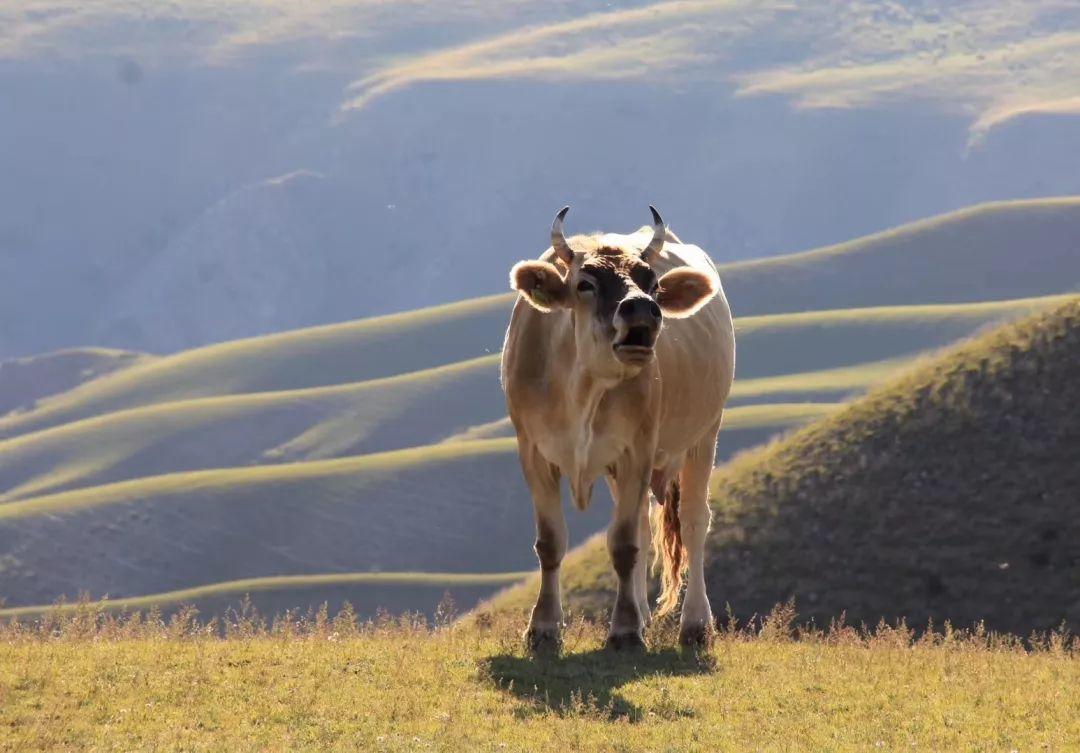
x=659 y=235
x=558 y=238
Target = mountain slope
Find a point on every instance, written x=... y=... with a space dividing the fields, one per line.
x=949 y=494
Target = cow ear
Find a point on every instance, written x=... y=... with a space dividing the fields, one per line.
x=540 y=283
x=683 y=291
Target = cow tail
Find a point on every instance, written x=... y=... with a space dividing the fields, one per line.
x=670 y=555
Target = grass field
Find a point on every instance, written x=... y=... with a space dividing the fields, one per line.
x=88 y=682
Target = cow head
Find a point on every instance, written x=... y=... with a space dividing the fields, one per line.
x=616 y=301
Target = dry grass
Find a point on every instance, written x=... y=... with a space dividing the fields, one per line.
x=93 y=681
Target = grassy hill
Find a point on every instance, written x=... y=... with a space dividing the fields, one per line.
x=320 y=356
x=1004 y=249
x=181 y=465
x=949 y=494
x=800 y=358
x=257 y=428
x=991 y=252
x=25 y=381
x=83 y=682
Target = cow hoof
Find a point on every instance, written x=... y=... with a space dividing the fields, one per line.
x=543 y=640
x=695 y=636
x=625 y=642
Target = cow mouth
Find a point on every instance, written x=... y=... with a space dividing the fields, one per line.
x=636 y=345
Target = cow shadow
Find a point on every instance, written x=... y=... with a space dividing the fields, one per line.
x=586 y=683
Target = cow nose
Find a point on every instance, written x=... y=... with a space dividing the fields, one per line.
x=639 y=310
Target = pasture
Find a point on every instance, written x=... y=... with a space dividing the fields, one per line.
x=88 y=681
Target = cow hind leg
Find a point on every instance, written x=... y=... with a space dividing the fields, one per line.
x=545 y=624
x=695 y=623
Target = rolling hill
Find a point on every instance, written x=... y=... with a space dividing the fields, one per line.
x=409 y=410
x=25 y=381
x=948 y=494
x=988 y=253
x=1008 y=249
x=381 y=512
x=262 y=457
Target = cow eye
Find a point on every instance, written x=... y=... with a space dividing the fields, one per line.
x=585 y=287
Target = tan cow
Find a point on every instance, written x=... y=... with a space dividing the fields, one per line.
x=618 y=360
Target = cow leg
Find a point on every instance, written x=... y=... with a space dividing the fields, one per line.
x=624 y=545
x=641 y=565
x=547 y=615
x=695 y=624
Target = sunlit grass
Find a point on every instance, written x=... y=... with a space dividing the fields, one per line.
x=88 y=681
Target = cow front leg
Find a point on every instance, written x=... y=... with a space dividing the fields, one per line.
x=624 y=545
x=641 y=565
x=545 y=623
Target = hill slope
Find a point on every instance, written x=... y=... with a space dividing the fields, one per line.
x=334 y=354
x=25 y=381
x=382 y=512
x=787 y=358
x=1005 y=249
x=949 y=494
x=990 y=252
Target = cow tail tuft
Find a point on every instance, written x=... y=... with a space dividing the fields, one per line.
x=670 y=555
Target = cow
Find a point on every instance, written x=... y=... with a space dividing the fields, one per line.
x=618 y=359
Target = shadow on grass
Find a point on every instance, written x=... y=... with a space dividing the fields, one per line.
x=585 y=684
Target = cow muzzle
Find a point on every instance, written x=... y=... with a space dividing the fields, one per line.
x=637 y=323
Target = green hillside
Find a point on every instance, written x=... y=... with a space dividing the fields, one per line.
x=810 y=357
x=274 y=455
x=949 y=494
x=264 y=427
x=991 y=252
x=411 y=510
x=1002 y=249
x=320 y=356
x=25 y=381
